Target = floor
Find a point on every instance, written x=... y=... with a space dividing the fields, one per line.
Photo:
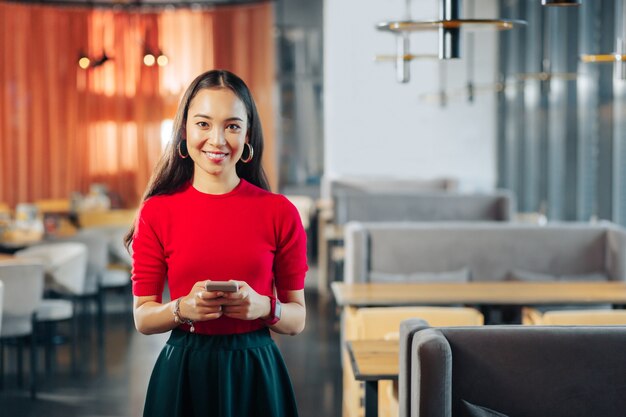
x=312 y=358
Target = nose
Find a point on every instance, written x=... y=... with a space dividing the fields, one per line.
x=216 y=137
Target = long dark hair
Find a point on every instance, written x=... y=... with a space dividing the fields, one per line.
x=172 y=171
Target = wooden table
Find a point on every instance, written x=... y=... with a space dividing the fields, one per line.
x=479 y=293
x=373 y=361
x=18 y=239
x=6 y=257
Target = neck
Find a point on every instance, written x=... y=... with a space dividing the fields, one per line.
x=215 y=185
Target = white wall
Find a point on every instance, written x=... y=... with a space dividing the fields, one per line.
x=375 y=126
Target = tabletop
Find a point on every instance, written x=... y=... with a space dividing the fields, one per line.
x=374 y=360
x=482 y=293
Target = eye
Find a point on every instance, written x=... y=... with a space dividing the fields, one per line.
x=202 y=124
x=233 y=127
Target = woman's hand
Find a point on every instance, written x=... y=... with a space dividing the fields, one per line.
x=245 y=304
x=201 y=305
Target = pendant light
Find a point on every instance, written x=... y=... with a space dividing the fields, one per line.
x=449 y=26
x=619 y=56
x=560 y=3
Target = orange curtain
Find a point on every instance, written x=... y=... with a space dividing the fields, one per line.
x=63 y=128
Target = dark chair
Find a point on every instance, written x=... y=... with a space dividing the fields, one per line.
x=538 y=371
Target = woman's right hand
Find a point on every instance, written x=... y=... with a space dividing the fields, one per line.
x=201 y=305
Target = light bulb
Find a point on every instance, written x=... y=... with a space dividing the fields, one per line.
x=149 y=59
x=84 y=62
x=162 y=60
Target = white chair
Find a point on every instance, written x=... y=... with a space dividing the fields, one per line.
x=116 y=263
x=97 y=261
x=115 y=237
x=65 y=265
x=117 y=275
x=23 y=292
x=100 y=277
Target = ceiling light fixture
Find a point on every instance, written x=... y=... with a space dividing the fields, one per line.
x=449 y=26
x=407 y=57
x=151 y=58
x=86 y=62
x=100 y=61
x=618 y=58
x=561 y=3
x=162 y=59
x=148 y=58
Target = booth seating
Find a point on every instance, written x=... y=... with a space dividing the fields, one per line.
x=459 y=252
x=538 y=371
x=331 y=187
x=384 y=322
x=330 y=231
x=424 y=206
x=383 y=201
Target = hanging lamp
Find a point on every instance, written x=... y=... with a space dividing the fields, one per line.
x=449 y=26
x=619 y=56
x=560 y=3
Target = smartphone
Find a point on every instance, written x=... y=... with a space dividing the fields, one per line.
x=225 y=286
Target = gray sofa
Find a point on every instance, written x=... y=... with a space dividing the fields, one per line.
x=410 y=252
x=519 y=371
x=423 y=206
x=331 y=187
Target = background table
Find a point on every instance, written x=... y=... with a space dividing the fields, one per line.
x=479 y=293
x=373 y=361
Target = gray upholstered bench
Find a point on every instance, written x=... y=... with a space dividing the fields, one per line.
x=450 y=251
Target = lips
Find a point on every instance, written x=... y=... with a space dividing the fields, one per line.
x=215 y=156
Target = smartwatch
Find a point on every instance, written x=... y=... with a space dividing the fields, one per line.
x=275 y=311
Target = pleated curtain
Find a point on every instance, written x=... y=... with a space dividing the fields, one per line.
x=63 y=128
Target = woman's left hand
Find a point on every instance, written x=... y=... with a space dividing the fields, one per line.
x=245 y=304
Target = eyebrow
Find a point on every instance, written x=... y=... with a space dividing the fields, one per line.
x=204 y=116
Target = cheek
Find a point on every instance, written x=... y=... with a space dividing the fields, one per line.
x=237 y=143
x=194 y=138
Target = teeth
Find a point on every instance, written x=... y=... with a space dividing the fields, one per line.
x=215 y=155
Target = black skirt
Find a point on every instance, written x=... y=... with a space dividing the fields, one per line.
x=239 y=375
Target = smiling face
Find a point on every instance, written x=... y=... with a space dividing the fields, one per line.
x=216 y=131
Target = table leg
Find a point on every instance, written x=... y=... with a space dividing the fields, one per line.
x=322 y=258
x=371 y=398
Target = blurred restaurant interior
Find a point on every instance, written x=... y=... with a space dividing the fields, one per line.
x=459 y=167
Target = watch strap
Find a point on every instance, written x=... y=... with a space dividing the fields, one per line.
x=275 y=311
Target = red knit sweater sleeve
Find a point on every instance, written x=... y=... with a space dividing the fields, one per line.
x=149 y=266
x=290 y=261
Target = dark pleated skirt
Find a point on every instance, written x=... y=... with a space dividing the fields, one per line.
x=240 y=375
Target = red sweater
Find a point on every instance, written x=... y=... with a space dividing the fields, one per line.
x=248 y=234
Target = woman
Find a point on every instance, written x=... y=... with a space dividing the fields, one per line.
x=208 y=216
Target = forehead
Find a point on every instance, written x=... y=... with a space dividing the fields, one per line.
x=217 y=103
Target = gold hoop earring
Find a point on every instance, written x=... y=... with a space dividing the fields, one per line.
x=250 y=154
x=180 y=153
